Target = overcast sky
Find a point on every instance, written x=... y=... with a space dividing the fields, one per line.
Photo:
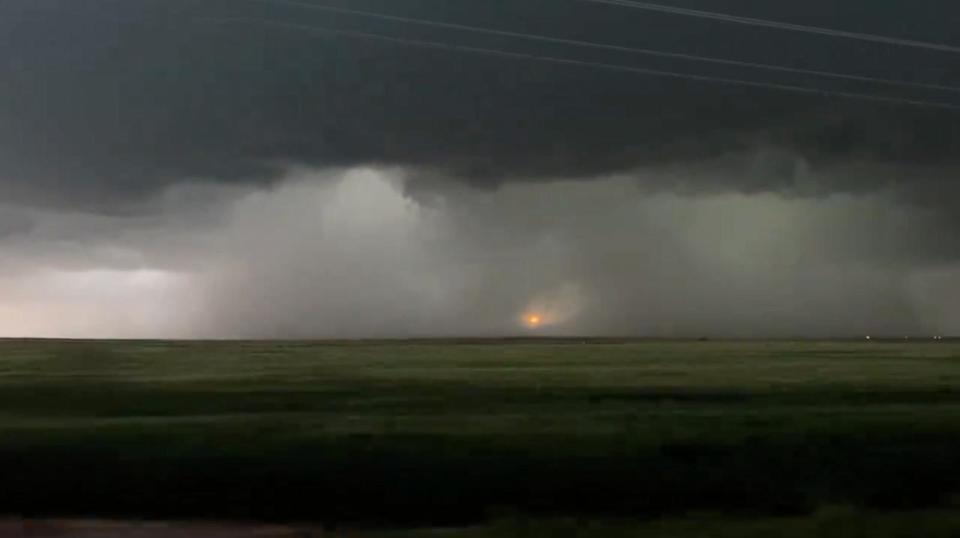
x=226 y=169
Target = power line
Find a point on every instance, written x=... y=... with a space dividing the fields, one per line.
x=778 y=25
x=567 y=61
x=618 y=48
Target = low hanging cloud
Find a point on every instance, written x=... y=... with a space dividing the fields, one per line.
x=354 y=254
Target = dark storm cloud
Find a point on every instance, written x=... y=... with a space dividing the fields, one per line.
x=104 y=100
x=214 y=168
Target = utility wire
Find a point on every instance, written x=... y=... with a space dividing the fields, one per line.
x=778 y=25
x=602 y=46
x=567 y=61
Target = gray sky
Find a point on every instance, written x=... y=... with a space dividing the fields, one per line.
x=219 y=169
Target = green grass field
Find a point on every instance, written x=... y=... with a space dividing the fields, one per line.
x=433 y=434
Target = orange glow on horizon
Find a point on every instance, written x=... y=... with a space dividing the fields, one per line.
x=533 y=320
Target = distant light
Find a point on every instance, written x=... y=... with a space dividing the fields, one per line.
x=868 y=338
x=533 y=320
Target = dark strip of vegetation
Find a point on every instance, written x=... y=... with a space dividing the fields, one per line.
x=447 y=480
x=123 y=399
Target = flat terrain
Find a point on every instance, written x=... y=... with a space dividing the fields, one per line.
x=435 y=434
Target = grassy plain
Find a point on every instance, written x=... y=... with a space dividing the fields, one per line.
x=419 y=433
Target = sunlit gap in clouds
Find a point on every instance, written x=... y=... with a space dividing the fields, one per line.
x=95 y=303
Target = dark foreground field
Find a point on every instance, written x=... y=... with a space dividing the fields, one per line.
x=419 y=434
